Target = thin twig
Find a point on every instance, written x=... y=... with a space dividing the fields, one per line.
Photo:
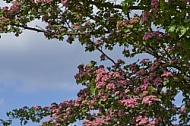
x=106 y=56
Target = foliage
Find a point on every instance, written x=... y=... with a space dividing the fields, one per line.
x=141 y=93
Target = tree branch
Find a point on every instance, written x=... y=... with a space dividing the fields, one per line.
x=44 y=31
x=29 y=28
x=106 y=56
x=110 y=5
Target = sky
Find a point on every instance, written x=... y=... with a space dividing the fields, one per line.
x=38 y=71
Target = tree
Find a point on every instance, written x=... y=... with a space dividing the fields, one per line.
x=141 y=93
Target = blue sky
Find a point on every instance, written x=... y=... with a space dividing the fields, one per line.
x=38 y=71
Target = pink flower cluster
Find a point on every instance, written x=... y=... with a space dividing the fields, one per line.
x=95 y=122
x=110 y=96
x=15 y=8
x=153 y=12
x=149 y=99
x=143 y=120
x=130 y=102
x=149 y=35
x=45 y=1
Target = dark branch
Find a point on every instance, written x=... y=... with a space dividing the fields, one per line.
x=106 y=56
x=44 y=31
x=29 y=28
x=110 y=5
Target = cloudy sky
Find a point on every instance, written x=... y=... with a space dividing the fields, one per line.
x=38 y=71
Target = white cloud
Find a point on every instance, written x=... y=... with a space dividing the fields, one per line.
x=31 y=62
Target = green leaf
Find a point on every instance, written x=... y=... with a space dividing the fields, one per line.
x=102 y=105
x=165 y=82
x=184 y=30
x=150 y=89
x=144 y=42
x=92 y=64
x=93 y=90
x=172 y=28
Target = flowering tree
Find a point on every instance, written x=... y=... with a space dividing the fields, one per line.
x=141 y=93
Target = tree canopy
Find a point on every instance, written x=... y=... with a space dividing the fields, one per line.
x=140 y=93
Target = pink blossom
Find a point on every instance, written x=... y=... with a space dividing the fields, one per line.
x=110 y=86
x=116 y=93
x=48 y=1
x=144 y=86
x=144 y=61
x=49 y=120
x=64 y=2
x=25 y=107
x=182 y=110
x=157 y=81
x=127 y=50
x=96 y=43
x=116 y=75
x=37 y=107
x=144 y=93
x=76 y=27
x=15 y=8
x=130 y=102
x=87 y=23
x=149 y=99
x=121 y=83
x=68 y=111
x=76 y=104
x=105 y=78
x=140 y=72
x=127 y=90
x=99 y=120
x=121 y=113
x=167 y=74
x=133 y=67
x=141 y=120
x=159 y=35
x=38 y=1
x=185 y=0
x=84 y=101
x=145 y=16
x=154 y=122
x=103 y=98
x=91 y=106
x=100 y=72
x=95 y=122
x=154 y=3
x=133 y=20
x=147 y=35
x=46 y=107
x=152 y=68
x=100 y=84
x=146 y=100
x=77 y=7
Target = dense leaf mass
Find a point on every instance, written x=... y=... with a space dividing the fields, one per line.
x=141 y=93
